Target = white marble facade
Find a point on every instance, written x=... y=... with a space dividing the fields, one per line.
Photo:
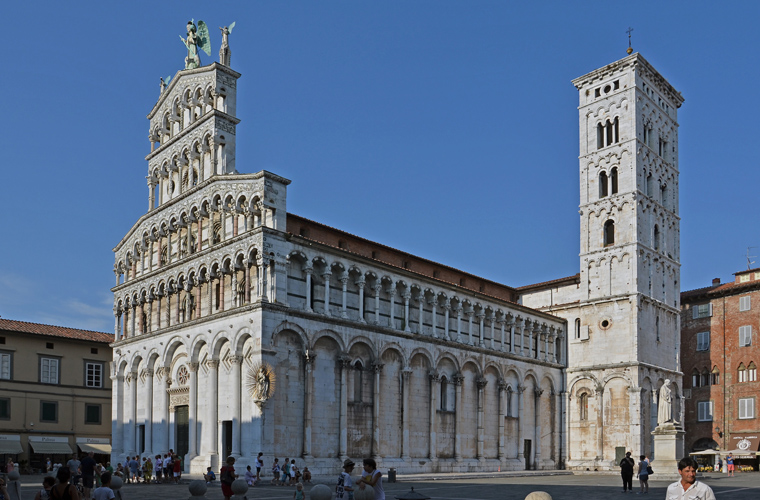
x=366 y=358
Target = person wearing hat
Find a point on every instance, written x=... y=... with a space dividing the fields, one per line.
x=345 y=488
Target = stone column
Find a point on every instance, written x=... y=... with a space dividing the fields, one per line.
x=236 y=361
x=458 y=379
x=447 y=307
x=433 y=317
x=150 y=315
x=200 y=232
x=209 y=437
x=503 y=395
x=117 y=324
x=503 y=335
x=600 y=423
x=421 y=321
x=470 y=314
x=546 y=343
x=344 y=296
x=554 y=346
x=537 y=435
x=520 y=444
x=526 y=325
x=492 y=321
x=151 y=193
x=361 y=284
x=132 y=329
x=407 y=297
x=512 y=325
x=131 y=429
x=377 y=289
x=165 y=442
x=117 y=415
x=264 y=271
x=247 y=281
x=343 y=364
x=210 y=289
x=378 y=368
x=177 y=305
x=406 y=375
x=533 y=328
x=634 y=408
x=309 y=271
x=434 y=390
x=308 y=402
x=234 y=286
x=459 y=324
x=168 y=307
x=326 y=309
x=192 y=448
x=391 y=299
x=148 y=412
x=481 y=383
x=222 y=290
x=481 y=330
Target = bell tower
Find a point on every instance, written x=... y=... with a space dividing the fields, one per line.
x=629 y=289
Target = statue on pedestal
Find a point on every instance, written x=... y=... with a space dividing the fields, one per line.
x=197 y=38
x=225 y=54
x=665 y=404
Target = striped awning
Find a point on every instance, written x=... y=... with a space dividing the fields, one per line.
x=103 y=449
x=11 y=447
x=51 y=448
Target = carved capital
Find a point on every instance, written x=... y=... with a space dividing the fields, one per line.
x=193 y=367
x=434 y=376
x=344 y=361
x=148 y=372
x=235 y=359
x=309 y=357
x=520 y=389
x=213 y=364
x=481 y=382
x=458 y=378
x=377 y=367
x=538 y=392
x=502 y=384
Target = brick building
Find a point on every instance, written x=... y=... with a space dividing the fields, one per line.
x=720 y=354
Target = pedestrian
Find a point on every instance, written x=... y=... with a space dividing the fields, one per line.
x=177 y=469
x=148 y=471
x=73 y=465
x=47 y=483
x=626 y=471
x=306 y=475
x=298 y=494
x=643 y=475
x=688 y=486
x=275 y=471
x=9 y=466
x=3 y=490
x=293 y=472
x=226 y=477
x=372 y=477
x=285 y=471
x=250 y=477
x=345 y=487
x=719 y=465
x=730 y=465
x=134 y=466
x=168 y=468
x=159 y=466
x=105 y=492
x=209 y=476
x=64 y=490
x=259 y=466
x=88 y=473
x=48 y=465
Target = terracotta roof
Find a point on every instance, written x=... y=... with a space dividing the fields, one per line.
x=9 y=325
x=575 y=279
x=720 y=290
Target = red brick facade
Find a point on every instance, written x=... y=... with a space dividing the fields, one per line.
x=712 y=369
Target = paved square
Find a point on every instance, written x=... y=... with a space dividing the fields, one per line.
x=582 y=487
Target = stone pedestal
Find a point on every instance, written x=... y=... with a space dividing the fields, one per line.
x=668 y=450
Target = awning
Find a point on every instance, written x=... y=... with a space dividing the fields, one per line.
x=103 y=449
x=52 y=448
x=705 y=452
x=11 y=447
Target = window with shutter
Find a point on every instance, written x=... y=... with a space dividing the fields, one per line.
x=49 y=370
x=745 y=336
x=5 y=366
x=701 y=311
x=747 y=408
x=705 y=411
x=744 y=303
x=703 y=341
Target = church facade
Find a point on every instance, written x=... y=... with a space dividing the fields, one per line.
x=241 y=328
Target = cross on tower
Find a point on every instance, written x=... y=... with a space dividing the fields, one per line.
x=629 y=31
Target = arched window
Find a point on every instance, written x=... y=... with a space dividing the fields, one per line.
x=599 y=136
x=715 y=376
x=742 y=373
x=509 y=401
x=664 y=196
x=752 y=372
x=602 y=184
x=614 y=181
x=609 y=233
x=577 y=328
x=656 y=237
x=583 y=406
x=649 y=186
x=358 y=380
x=444 y=393
x=144 y=323
x=695 y=379
x=657 y=328
x=705 y=378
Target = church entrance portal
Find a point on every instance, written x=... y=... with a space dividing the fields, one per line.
x=182 y=432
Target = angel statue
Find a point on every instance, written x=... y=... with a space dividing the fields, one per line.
x=197 y=38
x=225 y=54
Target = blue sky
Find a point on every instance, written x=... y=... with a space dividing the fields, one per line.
x=445 y=129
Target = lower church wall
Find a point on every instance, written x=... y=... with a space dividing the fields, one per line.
x=336 y=391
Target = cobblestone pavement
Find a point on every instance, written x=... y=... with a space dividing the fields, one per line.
x=744 y=486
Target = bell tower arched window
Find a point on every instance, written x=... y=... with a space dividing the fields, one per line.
x=656 y=237
x=444 y=393
x=614 y=181
x=609 y=233
x=583 y=406
x=358 y=381
x=602 y=184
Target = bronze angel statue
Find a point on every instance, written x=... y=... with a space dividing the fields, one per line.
x=197 y=38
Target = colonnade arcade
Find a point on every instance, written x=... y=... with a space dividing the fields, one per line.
x=338 y=396
x=362 y=295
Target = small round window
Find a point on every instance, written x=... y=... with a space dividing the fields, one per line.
x=607 y=89
x=605 y=323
